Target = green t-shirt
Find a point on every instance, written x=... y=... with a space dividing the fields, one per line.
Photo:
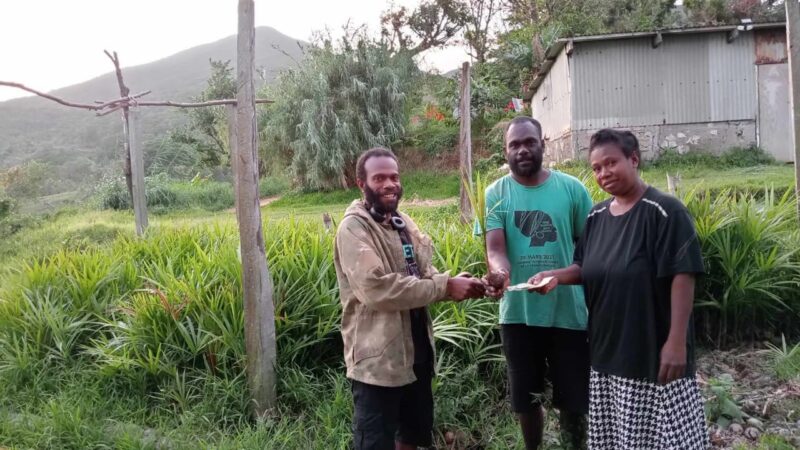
x=541 y=224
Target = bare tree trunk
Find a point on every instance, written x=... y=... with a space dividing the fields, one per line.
x=465 y=143
x=256 y=282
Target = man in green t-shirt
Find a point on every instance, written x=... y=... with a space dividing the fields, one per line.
x=534 y=216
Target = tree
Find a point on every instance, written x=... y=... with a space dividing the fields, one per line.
x=434 y=23
x=638 y=15
x=26 y=181
x=342 y=99
x=478 y=28
x=712 y=12
x=207 y=130
x=177 y=155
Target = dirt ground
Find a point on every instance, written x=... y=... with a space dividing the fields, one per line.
x=746 y=400
x=262 y=202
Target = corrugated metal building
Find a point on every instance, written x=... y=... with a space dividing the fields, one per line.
x=706 y=88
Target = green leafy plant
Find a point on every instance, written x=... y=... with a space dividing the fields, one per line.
x=785 y=359
x=752 y=264
x=721 y=408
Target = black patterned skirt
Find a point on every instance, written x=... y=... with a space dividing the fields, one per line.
x=628 y=414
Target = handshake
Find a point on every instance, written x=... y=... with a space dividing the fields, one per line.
x=494 y=284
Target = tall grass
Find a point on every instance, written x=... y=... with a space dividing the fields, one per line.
x=152 y=330
x=162 y=318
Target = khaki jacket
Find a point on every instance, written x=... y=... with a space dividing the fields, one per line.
x=377 y=295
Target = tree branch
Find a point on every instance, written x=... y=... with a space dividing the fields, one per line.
x=49 y=97
x=123 y=90
x=114 y=105
x=225 y=101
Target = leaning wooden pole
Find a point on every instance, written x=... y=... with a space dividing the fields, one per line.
x=124 y=91
x=259 y=325
x=465 y=143
x=793 y=44
x=134 y=172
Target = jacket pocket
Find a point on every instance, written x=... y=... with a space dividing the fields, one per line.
x=375 y=332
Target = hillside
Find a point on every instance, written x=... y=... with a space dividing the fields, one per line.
x=78 y=142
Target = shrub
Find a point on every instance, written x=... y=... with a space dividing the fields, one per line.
x=785 y=359
x=491 y=163
x=750 y=248
x=746 y=157
x=669 y=158
x=435 y=136
x=164 y=195
x=6 y=205
x=272 y=185
x=111 y=193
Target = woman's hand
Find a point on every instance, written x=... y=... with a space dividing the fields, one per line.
x=545 y=288
x=673 y=361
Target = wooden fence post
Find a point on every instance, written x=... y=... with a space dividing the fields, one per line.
x=259 y=311
x=465 y=144
x=233 y=144
x=793 y=44
x=138 y=190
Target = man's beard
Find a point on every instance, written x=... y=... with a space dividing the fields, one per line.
x=525 y=172
x=374 y=200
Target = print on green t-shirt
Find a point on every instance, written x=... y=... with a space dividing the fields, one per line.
x=541 y=224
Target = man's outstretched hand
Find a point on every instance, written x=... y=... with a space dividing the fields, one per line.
x=463 y=286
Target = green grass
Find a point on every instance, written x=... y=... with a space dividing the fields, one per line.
x=714 y=178
x=739 y=179
x=72 y=409
x=421 y=185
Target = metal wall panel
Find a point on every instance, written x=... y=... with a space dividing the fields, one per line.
x=551 y=104
x=687 y=79
x=775 y=111
x=771 y=47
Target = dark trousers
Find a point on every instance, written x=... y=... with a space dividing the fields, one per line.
x=383 y=415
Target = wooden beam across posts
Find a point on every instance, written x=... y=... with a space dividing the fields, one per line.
x=137 y=170
x=259 y=311
x=465 y=144
x=793 y=43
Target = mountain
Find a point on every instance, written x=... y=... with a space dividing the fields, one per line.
x=78 y=142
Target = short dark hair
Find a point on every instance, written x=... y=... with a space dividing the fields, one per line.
x=522 y=119
x=624 y=140
x=361 y=171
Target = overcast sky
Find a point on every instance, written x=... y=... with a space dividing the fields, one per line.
x=48 y=44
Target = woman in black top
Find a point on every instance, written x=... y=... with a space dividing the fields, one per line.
x=637 y=261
